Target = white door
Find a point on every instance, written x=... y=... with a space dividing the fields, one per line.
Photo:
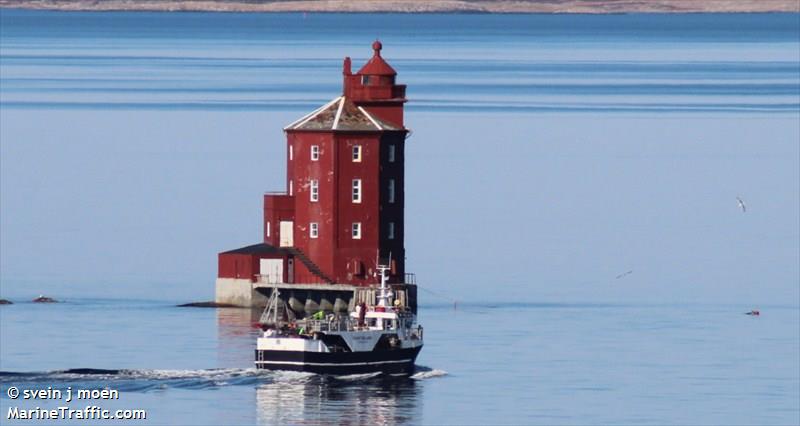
x=271 y=270
x=287 y=236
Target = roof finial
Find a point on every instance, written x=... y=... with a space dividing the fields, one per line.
x=376 y=47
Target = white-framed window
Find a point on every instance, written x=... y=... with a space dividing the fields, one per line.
x=313 y=230
x=356 y=190
x=391 y=153
x=314 y=194
x=291 y=153
x=357 y=153
x=356 y=230
x=390 y=234
x=267 y=229
x=391 y=190
x=291 y=188
x=314 y=152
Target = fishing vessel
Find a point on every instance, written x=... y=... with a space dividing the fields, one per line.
x=383 y=338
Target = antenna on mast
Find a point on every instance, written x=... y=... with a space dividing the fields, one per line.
x=377 y=260
x=385 y=293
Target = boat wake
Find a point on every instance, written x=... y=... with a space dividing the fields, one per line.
x=138 y=380
x=423 y=373
x=130 y=380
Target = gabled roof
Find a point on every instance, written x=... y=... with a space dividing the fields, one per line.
x=343 y=115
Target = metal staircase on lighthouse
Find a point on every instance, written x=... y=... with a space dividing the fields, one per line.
x=309 y=264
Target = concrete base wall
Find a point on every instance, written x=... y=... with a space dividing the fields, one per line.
x=243 y=292
x=238 y=291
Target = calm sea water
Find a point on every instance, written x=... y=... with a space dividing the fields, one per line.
x=550 y=154
x=482 y=364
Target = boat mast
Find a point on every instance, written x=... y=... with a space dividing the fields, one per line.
x=276 y=293
x=385 y=293
x=271 y=310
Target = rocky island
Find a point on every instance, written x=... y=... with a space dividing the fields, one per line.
x=417 y=6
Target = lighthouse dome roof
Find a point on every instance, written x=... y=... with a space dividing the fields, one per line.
x=377 y=65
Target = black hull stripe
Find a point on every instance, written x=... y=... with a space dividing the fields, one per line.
x=331 y=364
x=337 y=357
x=394 y=361
x=405 y=368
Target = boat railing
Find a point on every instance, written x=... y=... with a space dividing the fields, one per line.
x=332 y=324
x=410 y=279
x=344 y=323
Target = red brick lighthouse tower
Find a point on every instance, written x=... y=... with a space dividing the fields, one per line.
x=342 y=211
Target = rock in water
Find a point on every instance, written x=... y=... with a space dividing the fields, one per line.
x=44 y=299
x=6 y=302
x=208 y=305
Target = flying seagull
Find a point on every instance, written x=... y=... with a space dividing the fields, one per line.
x=625 y=274
x=741 y=204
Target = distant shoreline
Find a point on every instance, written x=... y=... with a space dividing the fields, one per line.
x=416 y=6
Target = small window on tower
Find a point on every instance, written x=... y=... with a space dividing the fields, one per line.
x=357 y=230
x=391 y=190
x=291 y=153
x=357 y=153
x=391 y=153
x=356 y=190
x=313 y=230
x=291 y=188
x=314 y=190
x=314 y=152
x=390 y=234
x=364 y=80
